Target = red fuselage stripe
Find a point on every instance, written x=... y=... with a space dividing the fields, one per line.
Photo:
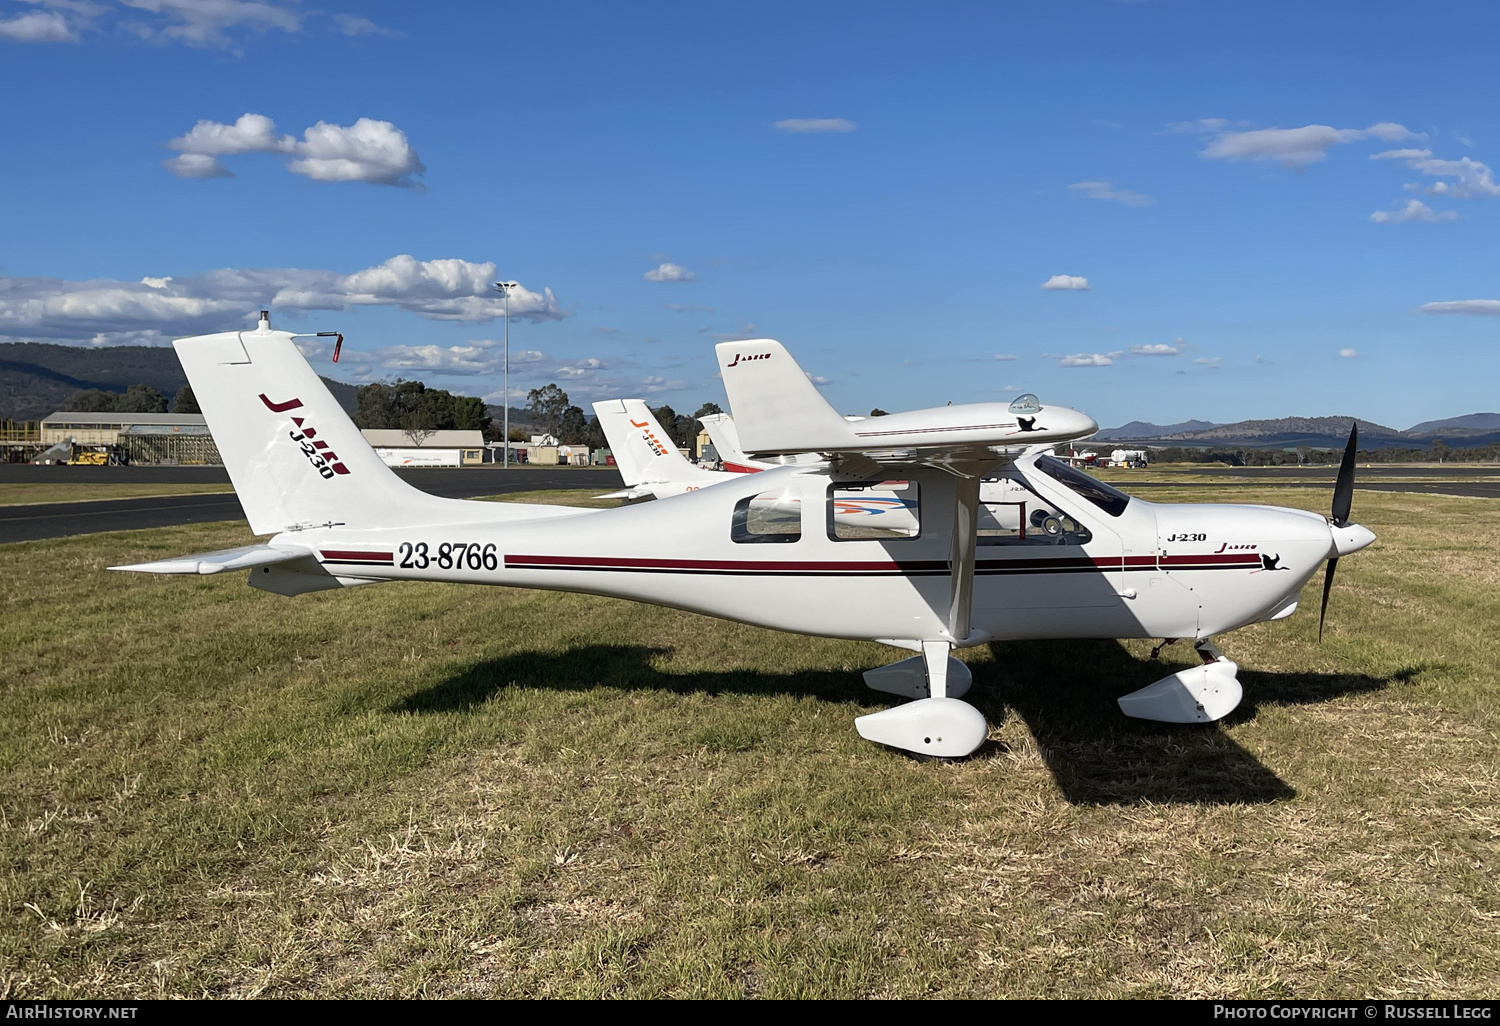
x=347 y=555
x=1064 y=564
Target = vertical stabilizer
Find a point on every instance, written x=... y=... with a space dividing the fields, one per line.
x=293 y=454
x=776 y=407
x=643 y=451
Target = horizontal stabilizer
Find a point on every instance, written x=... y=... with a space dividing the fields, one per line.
x=246 y=558
x=629 y=494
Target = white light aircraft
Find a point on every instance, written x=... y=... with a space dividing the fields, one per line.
x=1067 y=556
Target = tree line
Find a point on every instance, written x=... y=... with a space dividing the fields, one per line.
x=135 y=399
x=413 y=407
x=550 y=409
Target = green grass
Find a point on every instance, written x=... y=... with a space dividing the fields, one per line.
x=415 y=789
x=28 y=493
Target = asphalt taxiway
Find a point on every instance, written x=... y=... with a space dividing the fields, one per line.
x=60 y=519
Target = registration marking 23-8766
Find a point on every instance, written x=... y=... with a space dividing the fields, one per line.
x=449 y=556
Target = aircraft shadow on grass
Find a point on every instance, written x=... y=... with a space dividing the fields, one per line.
x=1064 y=691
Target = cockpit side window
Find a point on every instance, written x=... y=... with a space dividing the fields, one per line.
x=767 y=517
x=1010 y=513
x=1111 y=500
x=875 y=511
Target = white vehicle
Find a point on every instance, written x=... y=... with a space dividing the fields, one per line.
x=1128 y=458
x=1069 y=557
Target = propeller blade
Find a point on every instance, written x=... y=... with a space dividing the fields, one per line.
x=1343 y=489
x=1327 y=587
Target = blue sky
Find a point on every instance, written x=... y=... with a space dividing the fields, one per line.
x=1277 y=208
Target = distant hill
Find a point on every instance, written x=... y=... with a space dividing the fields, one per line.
x=1314 y=432
x=518 y=419
x=1141 y=429
x=1288 y=431
x=1473 y=424
x=38 y=378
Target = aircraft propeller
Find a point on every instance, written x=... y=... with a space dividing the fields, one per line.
x=1343 y=499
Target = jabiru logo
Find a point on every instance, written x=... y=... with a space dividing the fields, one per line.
x=738 y=357
x=324 y=460
x=650 y=437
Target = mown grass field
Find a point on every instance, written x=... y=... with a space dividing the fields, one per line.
x=438 y=790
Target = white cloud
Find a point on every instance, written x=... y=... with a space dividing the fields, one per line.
x=1348 y=354
x=1209 y=361
x=1155 y=349
x=155 y=309
x=200 y=23
x=580 y=369
x=1296 y=147
x=1199 y=126
x=367 y=151
x=1473 y=179
x=1107 y=191
x=670 y=272
x=1262 y=359
x=690 y=308
x=1412 y=210
x=1089 y=360
x=474 y=358
x=197 y=165
x=205 y=22
x=1066 y=282
x=1003 y=356
x=805 y=125
x=350 y=25
x=1482 y=307
x=39 y=27
x=251 y=133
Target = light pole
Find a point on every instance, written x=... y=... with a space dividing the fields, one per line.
x=504 y=288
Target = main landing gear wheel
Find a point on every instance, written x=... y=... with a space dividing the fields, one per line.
x=937 y=722
x=1201 y=694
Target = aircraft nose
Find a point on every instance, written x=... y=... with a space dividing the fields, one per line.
x=1350 y=538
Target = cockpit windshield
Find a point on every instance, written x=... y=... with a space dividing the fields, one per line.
x=1111 y=500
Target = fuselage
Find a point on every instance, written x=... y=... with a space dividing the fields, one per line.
x=777 y=549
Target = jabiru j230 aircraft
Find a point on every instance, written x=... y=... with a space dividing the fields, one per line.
x=766 y=549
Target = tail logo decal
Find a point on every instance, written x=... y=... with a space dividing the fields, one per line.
x=323 y=459
x=650 y=437
x=290 y=404
x=741 y=356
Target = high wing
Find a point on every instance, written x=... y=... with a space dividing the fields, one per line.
x=778 y=411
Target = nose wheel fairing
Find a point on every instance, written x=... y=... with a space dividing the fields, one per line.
x=1200 y=694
